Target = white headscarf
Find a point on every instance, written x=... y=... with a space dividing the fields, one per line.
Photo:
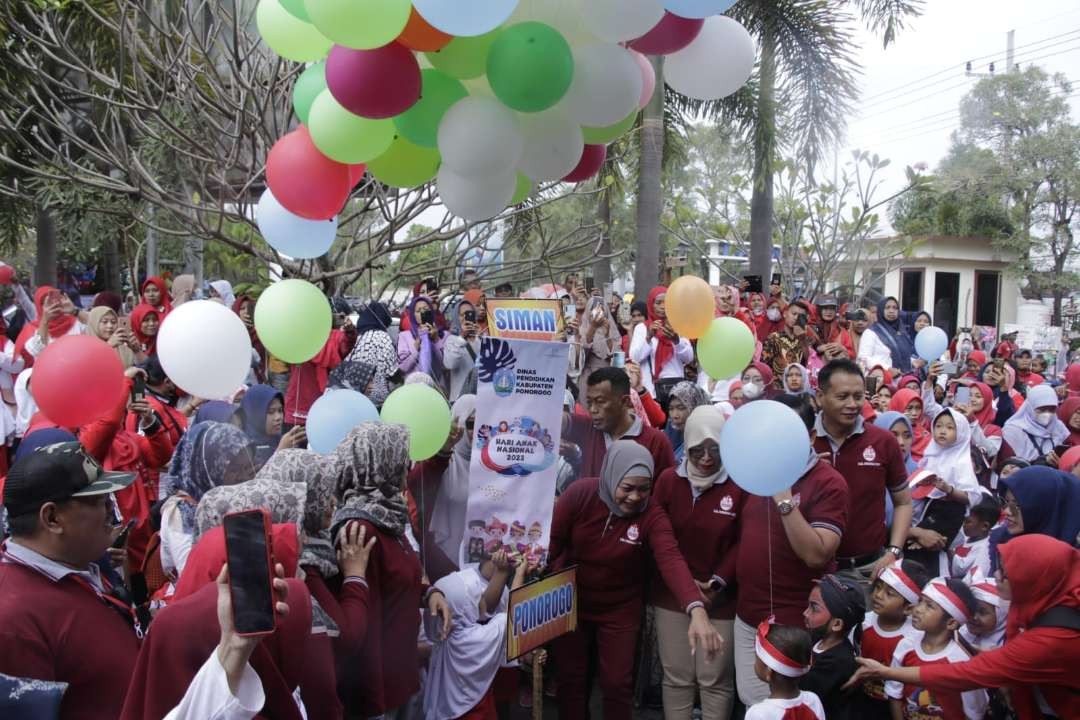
x=953 y=463
x=448 y=515
x=24 y=402
x=1028 y=439
x=806 y=389
x=224 y=290
x=704 y=423
x=464 y=665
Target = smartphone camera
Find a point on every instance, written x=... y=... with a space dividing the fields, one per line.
x=247 y=550
x=802 y=320
x=470 y=316
x=427 y=317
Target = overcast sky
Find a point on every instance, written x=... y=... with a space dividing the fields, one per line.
x=911 y=92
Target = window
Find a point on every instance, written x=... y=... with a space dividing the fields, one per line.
x=987 y=297
x=911 y=289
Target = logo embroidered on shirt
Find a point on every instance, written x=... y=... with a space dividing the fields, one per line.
x=869 y=455
x=632 y=532
x=726 y=503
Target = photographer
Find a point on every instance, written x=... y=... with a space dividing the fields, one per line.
x=461 y=349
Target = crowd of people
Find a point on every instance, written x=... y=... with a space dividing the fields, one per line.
x=924 y=564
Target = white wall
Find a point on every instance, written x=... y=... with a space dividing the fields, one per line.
x=1008 y=298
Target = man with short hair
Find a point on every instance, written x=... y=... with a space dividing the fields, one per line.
x=469 y=280
x=789 y=345
x=60 y=620
x=504 y=290
x=611 y=417
x=871 y=462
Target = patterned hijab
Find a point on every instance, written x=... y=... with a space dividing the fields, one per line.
x=284 y=502
x=374 y=461
x=374 y=347
x=352 y=375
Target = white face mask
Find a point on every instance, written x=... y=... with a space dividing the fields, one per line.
x=750 y=391
x=773 y=314
x=1044 y=418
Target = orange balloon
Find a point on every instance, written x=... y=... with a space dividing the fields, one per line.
x=690 y=306
x=420 y=36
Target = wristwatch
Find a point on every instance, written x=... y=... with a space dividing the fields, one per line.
x=898 y=552
x=785 y=507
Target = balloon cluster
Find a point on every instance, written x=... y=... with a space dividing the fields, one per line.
x=486 y=97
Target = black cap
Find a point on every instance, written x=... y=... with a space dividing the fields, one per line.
x=826 y=301
x=58 y=472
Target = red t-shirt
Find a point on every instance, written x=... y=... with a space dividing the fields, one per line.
x=822 y=498
x=879 y=644
x=921 y=703
x=707 y=530
x=870 y=462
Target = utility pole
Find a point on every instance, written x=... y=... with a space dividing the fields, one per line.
x=1010 y=55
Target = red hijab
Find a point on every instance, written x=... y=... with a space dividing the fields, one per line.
x=166 y=300
x=665 y=349
x=208 y=556
x=765 y=326
x=765 y=370
x=58 y=326
x=1072 y=379
x=900 y=400
x=140 y=313
x=1043 y=572
x=985 y=417
x=1065 y=411
x=886 y=376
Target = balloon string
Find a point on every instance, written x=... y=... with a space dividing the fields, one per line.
x=768 y=521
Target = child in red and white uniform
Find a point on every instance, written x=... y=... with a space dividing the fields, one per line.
x=892 y=596
x=986 y=628
x=783 y=656
x=973 y=554
x=944 y=607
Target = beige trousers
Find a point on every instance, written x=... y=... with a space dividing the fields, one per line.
x=685 y=675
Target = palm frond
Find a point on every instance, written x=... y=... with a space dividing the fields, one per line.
x=888 y=17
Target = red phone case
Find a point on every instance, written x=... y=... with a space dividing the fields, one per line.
x=269 y=564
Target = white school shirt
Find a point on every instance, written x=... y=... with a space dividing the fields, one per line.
x=774 y=709
x=644 y=354
x=969 y=556
x=975 y=701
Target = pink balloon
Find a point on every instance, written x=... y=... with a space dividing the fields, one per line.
x=356 y=174
x=78 y=379
x=379 y=83
x=304 y=181
x=648 y=78
x=592 y=159
x=671 y=34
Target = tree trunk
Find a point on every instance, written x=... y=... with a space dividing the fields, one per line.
x=602 y=267
x=650 y=200
x=761 y=201
x=111 y=266
x=45 y=267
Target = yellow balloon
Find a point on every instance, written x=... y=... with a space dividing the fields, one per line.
x=690 y=306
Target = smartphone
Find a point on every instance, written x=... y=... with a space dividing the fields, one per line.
x=753 y=283
x=949 y=368
x=962 y=396
x=470 y=316
x=999 y=363
x=1062 y=449
x=247 y=552
x=618 y=359
x=871 y=385
x=427 y=317
x=853 y=315
x=802 y=321
x=590 y=284
x=138 y=388
x=123 y=536
x=570 y=312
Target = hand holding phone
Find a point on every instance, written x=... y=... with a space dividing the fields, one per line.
x=249 y=572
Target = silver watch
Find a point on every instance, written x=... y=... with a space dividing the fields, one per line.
x=785 y=507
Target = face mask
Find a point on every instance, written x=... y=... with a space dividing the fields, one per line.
x=1044 y=418
x=751 y=390
x=773 y=314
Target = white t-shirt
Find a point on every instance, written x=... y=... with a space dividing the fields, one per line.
x=969 y=556
x=922 y=702
x=773 y=709
x=644 y=354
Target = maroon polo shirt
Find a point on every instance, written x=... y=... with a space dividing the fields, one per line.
x=707 y=530
x=822 y=497
x=593 y=444
x=871 y=462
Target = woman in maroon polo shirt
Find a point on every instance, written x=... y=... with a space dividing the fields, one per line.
x=607 y=527
x=704 y=506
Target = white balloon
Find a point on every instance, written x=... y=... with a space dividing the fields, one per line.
x=717 y=63
x=553 y=146
x=563 y=15
x=606 y=86
x=291 y=234
x=475 y=199
x=620 y=20
x=479 y=137
x=205 y=349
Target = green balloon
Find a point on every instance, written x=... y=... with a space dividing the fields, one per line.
x=359 y=24
x=405 y=165
x=726 y=348
x=345 y=137
x=524 y=187
x=611 y=133
x=288 y=36
x=530 y=66
x=420 y=123
x=464 y=57
x=425 y=412
x=292 y=318
x=296 y=9
x=308 y=86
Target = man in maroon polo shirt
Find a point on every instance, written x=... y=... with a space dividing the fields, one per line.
x=611 y=417
x=872 y=463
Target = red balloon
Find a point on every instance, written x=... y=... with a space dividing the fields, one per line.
x=671 y=34
x=379 y=83
x=78 y=379
x=304 y=181
x=592 y=159
x=356 y=173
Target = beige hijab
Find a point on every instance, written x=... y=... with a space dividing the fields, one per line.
x=127 y=356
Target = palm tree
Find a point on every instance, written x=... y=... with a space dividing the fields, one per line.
x=800 y=95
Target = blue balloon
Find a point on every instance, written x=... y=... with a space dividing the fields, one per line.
x=931 y=343
x=334 y=414
x=465 y=19
x=697 y=8
x=751 y=454
x=291 y=234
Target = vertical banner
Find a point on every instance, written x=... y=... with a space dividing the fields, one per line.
x=519 y=409
x=540 y=612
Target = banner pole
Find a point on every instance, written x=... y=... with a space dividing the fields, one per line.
x=538 y=684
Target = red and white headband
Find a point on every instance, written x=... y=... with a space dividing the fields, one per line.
x=986 y=589
x=898 y=580
x=949 y=601
x=773 y=658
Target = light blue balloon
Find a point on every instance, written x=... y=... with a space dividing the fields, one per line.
x=751 y=454
x=291 y=234
x=334 y=414
x=468 y=18
x=931 y=343
x=698 y=8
